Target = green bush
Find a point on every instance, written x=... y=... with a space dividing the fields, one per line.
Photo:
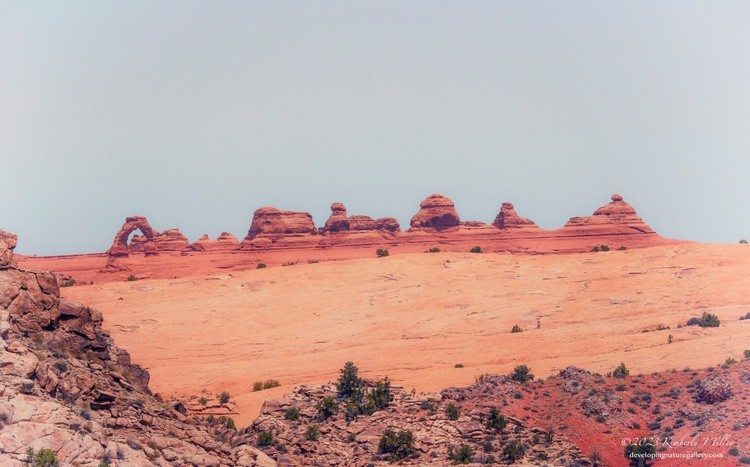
x=434 y=250
x=350 y=384
x=43 y=458
x=313 y=432
x=265 y=438
x=260 y=266
x=291 y=413
x=381 y=252
x=257 y=386
x=224 y=397
x=516 y=328
x=452 y=412
x=620 y=371
x=271 y=383
x=381 y=396
x=514 y=450
x=396 y=445
x=496 y=421
x=327 y=407
x=604 y=248
x=707 y=320
x=464 y=455
x=641 y=454
x=744 y=460
x=202 y=400
x=476 y=249
x=458 y=365
x=522 y=374
x=227 y=422
x=595 y=249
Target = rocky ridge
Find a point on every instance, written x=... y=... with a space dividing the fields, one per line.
x=66 y=387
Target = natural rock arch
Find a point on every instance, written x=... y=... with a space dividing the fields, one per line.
x=119 y=246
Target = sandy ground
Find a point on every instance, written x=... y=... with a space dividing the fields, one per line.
x=414 y=316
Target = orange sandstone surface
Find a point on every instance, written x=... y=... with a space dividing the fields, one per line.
x=212 y=322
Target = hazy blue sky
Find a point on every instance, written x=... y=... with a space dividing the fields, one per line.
x=194 y=114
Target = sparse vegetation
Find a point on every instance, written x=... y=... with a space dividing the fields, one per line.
x=745 y=316
x=265 y=438
x=327 y=407
x=43 y=458
x=641 y=454
x=747 y=354
x=514 y=450
x=464 y=454
x=260 y=266
x=621 y=371
x=521 y=374
x=433 y=250
x=131 y=278
x=496 y=421
x=202 y=401
x=291 y=413
x=623 y=248
x=257 y=386
x=312 y=433
x=396 y=445
x=516 y=328
x=381 y=252
x=349 y=382
x=451 y=411
x=604 y=248
x=730 y=361
x=707 y=320
x=458 y=365
x=475 y=249
x=224 y=397
x=227 y=422
x=68 y=283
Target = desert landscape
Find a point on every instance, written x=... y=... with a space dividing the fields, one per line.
x=245 y=331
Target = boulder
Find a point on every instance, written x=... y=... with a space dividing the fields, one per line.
x=436 y=212
x=7 y=244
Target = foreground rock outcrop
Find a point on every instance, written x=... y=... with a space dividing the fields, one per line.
x=65 y=387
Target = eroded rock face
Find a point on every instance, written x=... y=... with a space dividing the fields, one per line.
x=150 y=243
x=120 y=244
x=7 y=244
x=272 y=221
x=616 y=213
x=66 y=387
x=436 y=212
x=340 y=222
x=171 y=240
x=508 y=219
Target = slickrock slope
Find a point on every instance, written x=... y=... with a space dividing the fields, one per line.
x=65 y=387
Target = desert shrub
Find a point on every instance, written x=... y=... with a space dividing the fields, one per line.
x=434 y=250
x=429 y=406
x=476 y=249
x=271 y=383
x=260 y=266
x=464 y=454
x=620 y=387
x=257 y=386
x=313 y=432
x=641 y=454
x=291 y=413
x=516 y=328
x=496 y=421
x=595 y=249
x=514 y=450
x=707 y=320
x=604 y=248
x=227 y=422
x=747 y=354
x=744 y=460
x=730 y=361
x=327 y=407
x=621 y=371
x=265 y=438
x=68 y=283
x=43 y=458
x=131 y=278
x=396 y=445
x=733 y=451
x=381 y=252
x=452 y=412
x=349 y=382
x=522 y=374
x=623 y=248
x=458 y=365
x=380 y=396
x=202 y=400
x=224 y=397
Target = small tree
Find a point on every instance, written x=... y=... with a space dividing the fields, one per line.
x=621 y=371
x=522 y=374
x=514 y=450
x=327 y=407
x=464 y=455
x=496 y=421
x=350 y=384
x=396 y=445
x=452 y=412
x=381 y=395
x=516 y=328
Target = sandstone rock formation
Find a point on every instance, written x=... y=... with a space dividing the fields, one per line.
x=225 y=242
x=436 y=212
x=272 y=221
x=65 y=387
x=7 y=244
x=340 y=222
x=508 y=219
x=150 y=243
x=617 y=214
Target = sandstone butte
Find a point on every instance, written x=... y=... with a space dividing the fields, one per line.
x=203 y=321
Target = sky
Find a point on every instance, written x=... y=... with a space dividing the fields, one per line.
x=195 y=114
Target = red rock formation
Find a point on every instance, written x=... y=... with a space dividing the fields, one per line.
x=272 y=221
x=120 y=244
x=339 y=222
x=225 y=242
x=436 y=212
x=616 y=217
x=150 y=243
x=171 y=240
x=508 y=219
x=7 y=244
